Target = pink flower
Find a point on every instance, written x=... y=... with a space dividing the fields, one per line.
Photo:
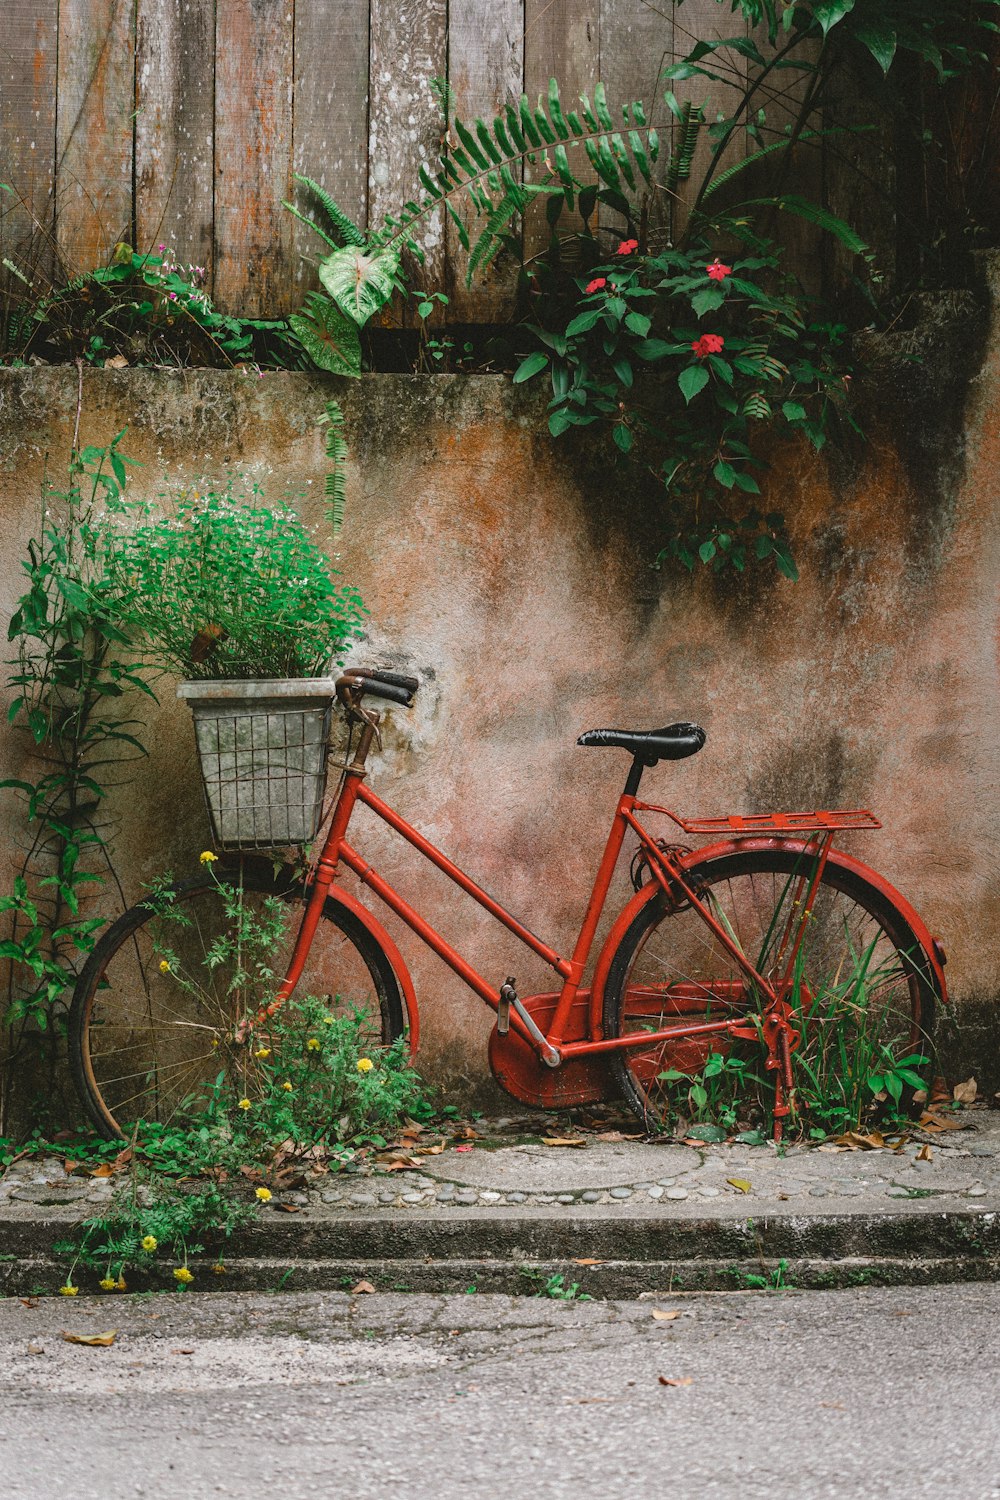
x=709 y=343
x=717 y=271
x=597 y=283
x=463 y=1148
x=627 y=246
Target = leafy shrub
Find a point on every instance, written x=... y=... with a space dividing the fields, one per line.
x=226 y=586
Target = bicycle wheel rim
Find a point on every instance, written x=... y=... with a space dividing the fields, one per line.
x=147 y=1043
x=862 y=989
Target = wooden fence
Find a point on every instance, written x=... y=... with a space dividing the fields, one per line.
x=181 y=122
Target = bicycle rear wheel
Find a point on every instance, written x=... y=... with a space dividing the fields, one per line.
x=863 y=996
x=156 y=1009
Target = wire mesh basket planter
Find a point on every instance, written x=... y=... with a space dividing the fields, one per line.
x=262 y=747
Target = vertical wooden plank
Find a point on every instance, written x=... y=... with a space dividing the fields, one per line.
x=254 y=272
x=485 y=72
x=27 y=132
x=174 y=128
x=562 y=41
x=637 y=43
x=408 y=50
x=96 y=100
x=330 y=126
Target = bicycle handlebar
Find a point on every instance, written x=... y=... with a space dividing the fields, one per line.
x=395 y=687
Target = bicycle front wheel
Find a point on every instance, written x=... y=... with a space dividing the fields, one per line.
x=863 y=996
x=157 y=1008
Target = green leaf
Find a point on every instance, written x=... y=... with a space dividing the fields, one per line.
x=584 y=321
x=706 y=552
x=530 y=366
x=692 y=380
x=830 y=13
x=793 y=412
x=639 y=324
x=880 y=42
x=330 y=339
x=622 y=436
x=725 y=474
x=360 y=282
x=707 y=301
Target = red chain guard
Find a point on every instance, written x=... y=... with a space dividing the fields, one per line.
x=519 y=1070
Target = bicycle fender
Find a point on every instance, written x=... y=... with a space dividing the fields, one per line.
x=377 y=932
x=837 y=857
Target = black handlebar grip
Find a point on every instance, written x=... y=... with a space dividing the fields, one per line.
x=395 y=679
x=387 y=690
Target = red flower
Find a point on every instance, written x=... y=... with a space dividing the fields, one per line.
x=627 y=246
x=717 y=271
x=597 y=283
x=709 y=343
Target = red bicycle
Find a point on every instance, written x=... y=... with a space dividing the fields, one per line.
x=767 y=942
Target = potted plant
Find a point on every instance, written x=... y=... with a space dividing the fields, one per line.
x=238 y=598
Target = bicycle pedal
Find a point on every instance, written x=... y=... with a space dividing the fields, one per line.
x=508 y=997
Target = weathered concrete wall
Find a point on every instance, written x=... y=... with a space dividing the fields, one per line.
x=516 y=580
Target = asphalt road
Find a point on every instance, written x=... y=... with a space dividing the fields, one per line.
x=789 y=1396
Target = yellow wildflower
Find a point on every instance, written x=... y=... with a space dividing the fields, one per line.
x=313 y=1044
x=287 y=1085
x=120 y=1283
x=219 y=1268
x=149 y=1242
x=264 y=1194
x=327 y=1020
x=206 y=857
x=183 y=1275
x=244 y=1104
x=263 y=1052
x=69 y=1290
x=108 y=1284
x=164 y=966
x=365 y=1065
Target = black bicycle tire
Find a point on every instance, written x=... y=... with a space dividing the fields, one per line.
x=262 y=878
x=724 y=866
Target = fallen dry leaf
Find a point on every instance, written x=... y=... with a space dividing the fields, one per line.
x=92 y=1340
x=586 y=1260
x=940 y=1092
x=563 y=1140
x=182 y=1351
x=429 y=1150
x=397 y=1163
x=29 y=1301
x=104 y=1170
x=931 y=1121
x=363 y=1287
x=35 y=1349
x=664 y=1315
x=464 y=1133
x=287 y=1208
x=739 y=1183
x=965 y=1093
x=925 y=1153
x=833 y=1405
x=687 y=1380
x=70 y=1166
x=116 y=362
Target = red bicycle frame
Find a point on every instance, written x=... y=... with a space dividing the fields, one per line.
x=574 y=1031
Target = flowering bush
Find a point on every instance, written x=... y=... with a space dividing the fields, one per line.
x=759 y=362
x=225 y=586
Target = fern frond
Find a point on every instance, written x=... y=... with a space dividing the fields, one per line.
x=361 y=278
x=335 y=485
x=345 y=226
x=690 y=120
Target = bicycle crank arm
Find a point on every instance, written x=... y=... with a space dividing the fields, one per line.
x=551 y=1057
